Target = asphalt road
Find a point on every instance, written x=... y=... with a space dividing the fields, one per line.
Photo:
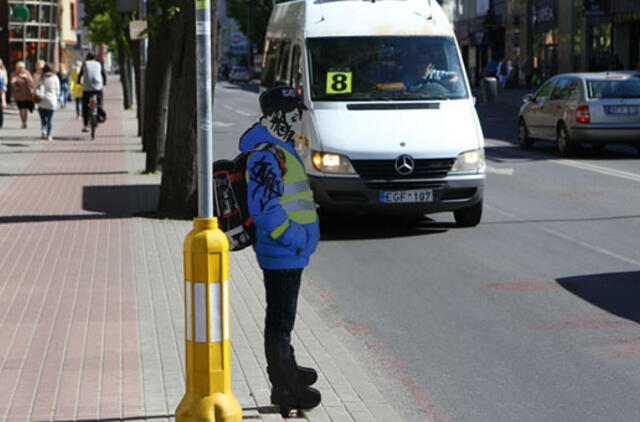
x=531 y=316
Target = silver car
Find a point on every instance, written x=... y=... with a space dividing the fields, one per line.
x=583 y=108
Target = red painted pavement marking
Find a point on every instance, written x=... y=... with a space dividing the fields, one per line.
x=523 y=286
x=46 y=365
x=582 y=323
x=630 y=347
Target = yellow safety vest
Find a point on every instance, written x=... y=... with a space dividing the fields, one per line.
x=297 y=199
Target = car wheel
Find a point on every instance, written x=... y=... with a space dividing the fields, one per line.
x=598 y=147
x=638 y=148
x=523 y=135
x=564 y=141
x=470 y=216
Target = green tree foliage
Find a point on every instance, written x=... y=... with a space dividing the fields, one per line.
x=101 y=30
x=256 y=12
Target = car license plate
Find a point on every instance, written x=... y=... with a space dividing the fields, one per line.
x=619 y=109
x=406 y=196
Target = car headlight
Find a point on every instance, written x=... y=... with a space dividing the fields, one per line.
x=332 y=163
x=470 y=161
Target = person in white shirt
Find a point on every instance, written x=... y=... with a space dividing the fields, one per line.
x=93 y=78
x=48 y=89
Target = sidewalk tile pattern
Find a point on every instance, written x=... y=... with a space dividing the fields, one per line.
x=91 y=306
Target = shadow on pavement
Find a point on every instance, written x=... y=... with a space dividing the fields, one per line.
x=128 y=418
x=359 y=227
x=544 y=150
x=119 y=201
x=616 y=293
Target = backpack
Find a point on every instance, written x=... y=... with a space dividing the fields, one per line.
x=230 y=197
x=503 y=69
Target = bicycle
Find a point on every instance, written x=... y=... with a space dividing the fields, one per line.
x=93 y=116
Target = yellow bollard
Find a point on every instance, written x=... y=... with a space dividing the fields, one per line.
x=208 y=350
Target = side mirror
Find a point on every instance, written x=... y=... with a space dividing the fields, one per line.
x=528 y=98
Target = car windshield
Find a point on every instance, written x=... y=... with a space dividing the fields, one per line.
x=614 y=88
x=385 y=68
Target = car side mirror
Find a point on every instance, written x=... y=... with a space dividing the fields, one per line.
x=529 y=98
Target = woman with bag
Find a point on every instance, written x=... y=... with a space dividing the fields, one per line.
x=76 y=87
x=22 y=84
x=63 y=76
x=49 y=90
x=4 y=81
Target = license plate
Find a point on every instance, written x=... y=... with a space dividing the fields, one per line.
x=625 y=110
x=406 y=196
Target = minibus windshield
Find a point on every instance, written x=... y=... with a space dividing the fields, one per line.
x=385 y=68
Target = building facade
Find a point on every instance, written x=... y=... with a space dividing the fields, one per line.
x=32 y=30
x=558 y=36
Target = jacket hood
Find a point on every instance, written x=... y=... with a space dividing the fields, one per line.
x=256 y=135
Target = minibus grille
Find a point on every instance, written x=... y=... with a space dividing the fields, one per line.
x=385 y=169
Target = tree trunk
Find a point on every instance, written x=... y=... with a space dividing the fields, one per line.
x=178 y=196
x=157 y=93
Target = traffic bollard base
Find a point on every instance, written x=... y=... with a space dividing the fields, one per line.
x=219 y=407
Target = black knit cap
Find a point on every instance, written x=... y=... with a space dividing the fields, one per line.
x=279 y=98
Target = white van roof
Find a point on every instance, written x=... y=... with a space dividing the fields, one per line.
x=333 y=18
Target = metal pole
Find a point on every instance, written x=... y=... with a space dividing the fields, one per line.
x=143 y=64
x=205 y=119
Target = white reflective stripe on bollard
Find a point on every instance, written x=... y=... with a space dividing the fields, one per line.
x=200 y=307
x=215 y=314
x=225 y=295
x=188 y=298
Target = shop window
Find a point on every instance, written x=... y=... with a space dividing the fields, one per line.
x=32 y=31
x=16 y=32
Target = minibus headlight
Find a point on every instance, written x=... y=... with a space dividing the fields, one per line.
x=332 y=163
x=469 y=161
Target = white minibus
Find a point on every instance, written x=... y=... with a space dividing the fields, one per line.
x=391 y=125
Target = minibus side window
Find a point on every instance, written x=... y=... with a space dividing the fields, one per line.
x=296 y=70
x=270 y=60
x=283 y=62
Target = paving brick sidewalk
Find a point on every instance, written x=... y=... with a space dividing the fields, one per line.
x=91 y=309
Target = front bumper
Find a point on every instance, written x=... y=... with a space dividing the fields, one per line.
x=359 y=196
x=622 y=134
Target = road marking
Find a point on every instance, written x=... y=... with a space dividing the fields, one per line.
x=569 y=238
x=228 y=107
x=222 y=124
x=599 y=169
x=500 y=170
x=243 y=113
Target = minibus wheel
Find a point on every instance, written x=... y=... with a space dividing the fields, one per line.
x=470 y=216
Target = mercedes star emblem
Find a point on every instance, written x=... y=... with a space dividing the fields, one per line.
x=405 y=165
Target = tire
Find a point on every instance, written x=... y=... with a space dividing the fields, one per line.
x=598 y=147
x=565 y=146
x=470 y=216
x=523 y=135
x=94 y=124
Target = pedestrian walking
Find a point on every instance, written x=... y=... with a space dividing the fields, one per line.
x=93 y=80
x=49 y=90
x=37 y=74
x=490 y=68
x=63 y=77
x=22 y=85
x=503 y=72
x=76 y=87
x=281 y=205
x=527 y=68
x=4 y=82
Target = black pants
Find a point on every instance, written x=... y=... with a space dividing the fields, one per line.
x=86 y=95
x=282 y=288
x=1 y=115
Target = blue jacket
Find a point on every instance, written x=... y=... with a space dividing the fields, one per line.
x=293 y=248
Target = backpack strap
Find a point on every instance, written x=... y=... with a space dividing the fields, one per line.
x=276 y=151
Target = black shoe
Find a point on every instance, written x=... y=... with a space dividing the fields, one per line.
x=301 y=398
